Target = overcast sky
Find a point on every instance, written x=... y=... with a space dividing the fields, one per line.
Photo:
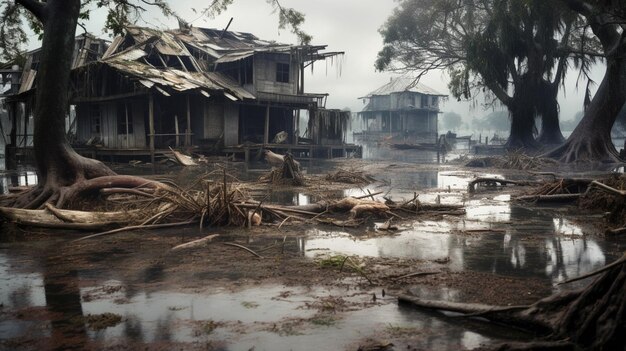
x=344 y=25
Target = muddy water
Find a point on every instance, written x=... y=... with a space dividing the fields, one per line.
x=495 y=236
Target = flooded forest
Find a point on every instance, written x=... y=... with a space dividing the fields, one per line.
x=172 y=185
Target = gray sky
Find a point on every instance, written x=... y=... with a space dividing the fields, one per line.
x=344 y=25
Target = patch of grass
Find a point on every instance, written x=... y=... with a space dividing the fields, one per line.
x=249 y=304
x=176 y=308
x=102 y=321
x=398 y=330
x=323 y=320
x=205 y=327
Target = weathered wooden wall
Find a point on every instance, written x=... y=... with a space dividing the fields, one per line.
x=108 y=124
x=265 y=74
x=231 y=124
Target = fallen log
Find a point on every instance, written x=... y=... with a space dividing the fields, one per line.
x=550 y=198
x=46 y=219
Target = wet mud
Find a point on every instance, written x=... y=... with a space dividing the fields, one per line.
x=131 y=291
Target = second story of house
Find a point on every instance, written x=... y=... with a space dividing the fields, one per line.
x=403 y=94
x=239 y=62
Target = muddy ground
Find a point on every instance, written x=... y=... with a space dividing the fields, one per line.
x=130 y=290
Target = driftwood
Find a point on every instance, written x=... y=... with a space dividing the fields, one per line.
x=195 y=243
x=183 y=159
x=55 y=218
x=471 y=186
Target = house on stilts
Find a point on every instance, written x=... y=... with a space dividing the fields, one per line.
x=205 y=90
x=401 y=111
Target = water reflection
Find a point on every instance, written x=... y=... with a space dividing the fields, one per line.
x=505 y=239
x=10 y=179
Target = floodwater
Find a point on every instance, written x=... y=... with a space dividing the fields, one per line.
x=495 y=236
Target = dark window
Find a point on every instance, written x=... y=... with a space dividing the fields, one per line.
x=124 y=119
x=282 y=72
x=424 y=100
x=94 y=114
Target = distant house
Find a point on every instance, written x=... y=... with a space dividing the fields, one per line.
x=400 y=110
x=201 y=88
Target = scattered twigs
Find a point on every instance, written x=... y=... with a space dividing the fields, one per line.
x=550 y=198
x=349 y=177
x=607 y=188
x=416 y=274
x=195 y=243
x=243 y=248
x=135 y=227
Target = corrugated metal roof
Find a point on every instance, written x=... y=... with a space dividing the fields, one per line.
x=401 y=84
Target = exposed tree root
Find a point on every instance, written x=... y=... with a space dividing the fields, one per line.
x=590 y=318
x=585 y=150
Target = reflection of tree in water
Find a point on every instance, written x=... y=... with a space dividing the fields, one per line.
x=64 y=304
x=515 y=253
x=453 y=333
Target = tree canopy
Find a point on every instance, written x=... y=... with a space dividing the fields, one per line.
x=514 y=51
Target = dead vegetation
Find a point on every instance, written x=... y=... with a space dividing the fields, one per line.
x=512 y=160
x=349 y=177
x=287 y=171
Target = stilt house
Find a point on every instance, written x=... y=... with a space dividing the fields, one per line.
x=402 y=111
x=201 y=88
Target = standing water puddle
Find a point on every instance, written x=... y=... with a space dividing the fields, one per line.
x=494 y=236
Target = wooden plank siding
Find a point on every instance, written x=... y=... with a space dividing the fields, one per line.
x=87 y=123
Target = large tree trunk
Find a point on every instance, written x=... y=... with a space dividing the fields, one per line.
x=591 y=140
x=58 y=164
x=522 y=122
x=548 y=107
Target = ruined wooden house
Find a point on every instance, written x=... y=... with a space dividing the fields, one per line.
x=204 y=89
x=400 y=111
x=19 y=98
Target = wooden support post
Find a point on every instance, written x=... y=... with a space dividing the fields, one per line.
x=126 y=115
x=188 y=129
x=176 y=130
x=151 y=125
x=266 y=130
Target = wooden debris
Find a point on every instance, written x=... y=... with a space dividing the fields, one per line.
x=183 y=159
x=349 y=177
x=492 y=182
x=550 y=198
x=195 y=243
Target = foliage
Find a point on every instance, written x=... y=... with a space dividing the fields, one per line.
x=570 y=124
x=497 y=121
x=514 y=51
x=121 y=13
x=451 y=121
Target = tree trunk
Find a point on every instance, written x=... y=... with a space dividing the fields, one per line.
x=58 y=164
x=591 y=140
x=549 y=110
x=522 y=123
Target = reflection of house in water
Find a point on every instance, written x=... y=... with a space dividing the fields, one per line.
x=400 y=110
